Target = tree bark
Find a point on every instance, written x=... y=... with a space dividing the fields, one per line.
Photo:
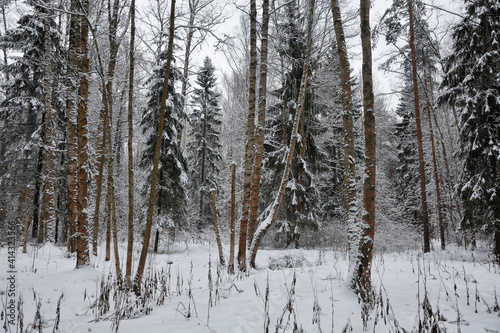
x=348 y=128
x=249 y=149
x=82 y=249
x=434 y=162
x=71 y=130
x=365 y=254
x=48 y=186
x=233 y=207
x=154 y=177
x=267 y=223
x=423 y=193
x=130 y=143
x=259 y=149
x=217 y=234
x=26 y=220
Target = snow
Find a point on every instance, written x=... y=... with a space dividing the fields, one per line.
x=239 y=301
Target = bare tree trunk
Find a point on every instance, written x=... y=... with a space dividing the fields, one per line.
x=130 y=143
x=3 y=49
x=365 y=254
x=233 y=206
x=259 y=149
x=26 y=220
x=266 y=224
x=71 y=134
x=249 y=149
x=427 y=246
x=154 y=177
x=193 y=4
x=48 y=186
x=349 y=153
x=434 y=162
x=82 y=249
x=217 y=234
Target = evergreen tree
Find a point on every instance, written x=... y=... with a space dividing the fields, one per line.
x=22 y=109
x=406 y=171
x=205 y=141
x=472 y=83
x=300 y=205
x=171 y=204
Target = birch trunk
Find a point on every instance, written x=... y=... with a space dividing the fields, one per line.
x=259 y=149
x=249 y=149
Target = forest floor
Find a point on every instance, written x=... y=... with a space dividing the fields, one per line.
x=189 y=292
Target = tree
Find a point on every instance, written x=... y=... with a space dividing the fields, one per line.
x=171 y=199
x=301 y=199
x=27 y=111
x=423 y=191
x=471 y=82
x=82 y=248
x=130 y=225
x=260 y=130
x=362 y=276
x=205 y=144
x=250 y=142
x=272 y=210
x=156 y=159
x=348 y=127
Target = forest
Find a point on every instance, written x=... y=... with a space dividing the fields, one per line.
x=250 y=166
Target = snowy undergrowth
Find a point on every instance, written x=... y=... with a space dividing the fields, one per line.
x=301 y=290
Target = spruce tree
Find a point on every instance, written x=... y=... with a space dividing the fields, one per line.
x=22 y=110
x=472 y=84
x=170 y=191
x=205 y=141
x=300 y=206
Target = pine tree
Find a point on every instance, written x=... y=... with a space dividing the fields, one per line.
x=170 y=191
x=205 y=142
x=472 y=84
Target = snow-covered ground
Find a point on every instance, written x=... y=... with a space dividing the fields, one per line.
x=461 y=288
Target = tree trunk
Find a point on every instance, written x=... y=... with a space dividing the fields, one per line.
x=427 y=246
x=349 y=153
x=37 y=230
x=101 y=157
x=259 y=149
x=3 y=49
x=266 y=224
x=217 y=234
x=154 y=177
x=26 y=220
x=82 y=250
x=71 y=135
x=187 y=53
x=233 y=207
x=48 y=186
x=434 y=162
x=249 y=149
x=365 y=254
x=130 y=143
